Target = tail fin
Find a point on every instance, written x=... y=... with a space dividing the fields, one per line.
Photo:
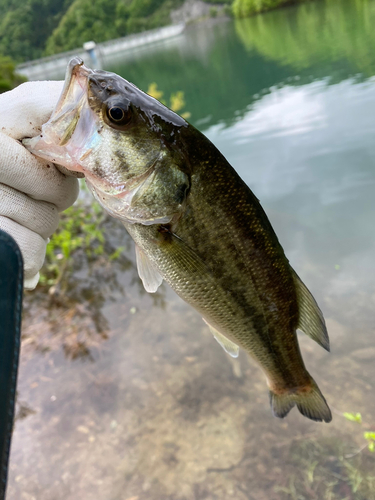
x=309 y=400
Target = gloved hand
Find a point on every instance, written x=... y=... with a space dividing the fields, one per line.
x=32 y=191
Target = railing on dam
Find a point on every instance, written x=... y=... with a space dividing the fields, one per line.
x=54 y=66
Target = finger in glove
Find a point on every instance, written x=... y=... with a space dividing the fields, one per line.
x=38 y=216
x=27 y=107
x=32 y=246
x=38 y=178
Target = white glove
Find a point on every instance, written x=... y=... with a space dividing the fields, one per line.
x=32 y=191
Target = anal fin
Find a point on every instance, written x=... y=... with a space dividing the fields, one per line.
x=229 y=347
x=150 y=277
x=311 y=320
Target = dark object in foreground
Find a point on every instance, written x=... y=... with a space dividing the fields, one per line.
x=195 y=224
x=11 y=287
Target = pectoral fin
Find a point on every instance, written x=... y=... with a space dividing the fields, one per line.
x=230 y=347
x=311 y=320
x=150 y=277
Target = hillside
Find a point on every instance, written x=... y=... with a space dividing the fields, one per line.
x=107 y=19
x=25 y=26
x=34 y=28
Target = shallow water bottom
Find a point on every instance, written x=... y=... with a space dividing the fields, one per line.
x=148 y=406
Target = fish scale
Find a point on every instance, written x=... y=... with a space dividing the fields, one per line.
x=235 y=275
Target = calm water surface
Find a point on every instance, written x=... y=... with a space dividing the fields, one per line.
x=155 y=409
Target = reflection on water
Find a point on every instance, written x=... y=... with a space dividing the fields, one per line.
x=317 y=34
x=125 y=395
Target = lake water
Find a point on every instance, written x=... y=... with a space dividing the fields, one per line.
x=154 y=408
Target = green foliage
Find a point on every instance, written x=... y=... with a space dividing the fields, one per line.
x=176 y=100
x=102 y=20
x=213 y=11
x=79 y=228
x=85 y=20
x=221 y=2
x=8 y=78
x=25 y=25
x=144 y=8
x=368 y=435
x=245 y=8
x=32 y=28
x=353 y=417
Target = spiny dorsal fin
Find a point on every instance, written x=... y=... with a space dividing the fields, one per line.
x=150 y=277
x=230 y=347
x=311 y=320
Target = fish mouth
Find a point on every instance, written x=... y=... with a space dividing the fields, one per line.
x=64 y=138
x=73 y=98
x=76 y=72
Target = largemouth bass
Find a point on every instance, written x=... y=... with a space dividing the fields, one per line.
x=195 y=224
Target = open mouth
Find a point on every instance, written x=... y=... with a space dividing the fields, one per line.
x=75 y=83
x=65 y=137
x=65 y=117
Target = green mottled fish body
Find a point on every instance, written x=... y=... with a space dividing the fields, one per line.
x=197 y=225
x=233 y=270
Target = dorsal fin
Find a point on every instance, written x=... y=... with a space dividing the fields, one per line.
x=311 y=320
x=230 y=347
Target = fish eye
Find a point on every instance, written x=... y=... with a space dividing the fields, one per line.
x=118 y=115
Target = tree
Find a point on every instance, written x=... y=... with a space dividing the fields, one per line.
x=8 y=78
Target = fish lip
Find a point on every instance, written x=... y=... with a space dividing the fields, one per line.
x=75 y=72
x=70 y=103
